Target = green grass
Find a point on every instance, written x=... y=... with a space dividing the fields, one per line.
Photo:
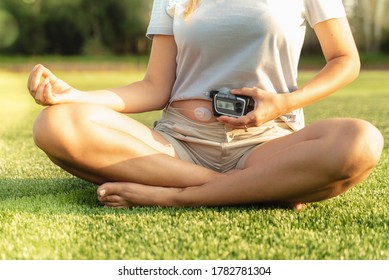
x=47 y=214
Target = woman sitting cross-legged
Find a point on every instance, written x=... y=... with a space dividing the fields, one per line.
x=232 y=130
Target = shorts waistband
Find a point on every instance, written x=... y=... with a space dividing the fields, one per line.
x=174 y=121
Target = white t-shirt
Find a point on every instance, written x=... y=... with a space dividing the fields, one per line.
x=239 y=43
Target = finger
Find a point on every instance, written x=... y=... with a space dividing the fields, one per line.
x=234 y=122
x=255 y=93
x=47 y=93
x=32 y=73
x=40 y=95
x=35 y=79
x=37 y=73
x=245 y=91
x=48 y=74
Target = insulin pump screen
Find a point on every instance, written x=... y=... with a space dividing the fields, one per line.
x=225 y=105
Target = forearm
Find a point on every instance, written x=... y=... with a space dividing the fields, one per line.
x=336 y=74
x=137 y=97
x=151 y=93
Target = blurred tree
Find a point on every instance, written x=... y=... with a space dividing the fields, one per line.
x=9 y=29
x=62 y=35
x=76 y=26
x=31 y=38
x=369 y=22
x=119 y=26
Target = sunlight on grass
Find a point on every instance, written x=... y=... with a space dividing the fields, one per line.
x=47 y=214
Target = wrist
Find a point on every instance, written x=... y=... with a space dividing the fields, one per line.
x=292 y=101
x=74 y=96
x=284 y=103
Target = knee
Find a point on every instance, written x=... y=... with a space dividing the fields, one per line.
x=359 y=147
x=53 y=128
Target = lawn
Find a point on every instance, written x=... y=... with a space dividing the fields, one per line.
x=46 y=213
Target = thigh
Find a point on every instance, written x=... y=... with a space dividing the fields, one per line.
x=86 y=122
x=101 y=145
x=330 y=131
x=128 y=126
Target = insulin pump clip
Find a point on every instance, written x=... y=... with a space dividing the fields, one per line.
x=226 y=104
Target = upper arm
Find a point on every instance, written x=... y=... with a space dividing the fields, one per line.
x=161 y=69
x=336 y=39
x=153 y=92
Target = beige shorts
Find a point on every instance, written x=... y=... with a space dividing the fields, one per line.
x=212 y=145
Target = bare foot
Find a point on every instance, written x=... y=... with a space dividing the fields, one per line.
x=295 y=206
x=122 y=195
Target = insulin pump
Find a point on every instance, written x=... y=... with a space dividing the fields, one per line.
x=226 y=104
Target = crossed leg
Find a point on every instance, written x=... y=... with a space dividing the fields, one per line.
x=100 y=145
x=319 y=162
x=97 y=144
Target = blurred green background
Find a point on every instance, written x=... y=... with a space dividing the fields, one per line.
x=117 y=27
x=73 y=27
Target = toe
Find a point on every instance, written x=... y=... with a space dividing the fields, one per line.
x=298 y=206
x=105 y=190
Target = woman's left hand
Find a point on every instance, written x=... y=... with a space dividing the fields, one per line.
x=268 y=106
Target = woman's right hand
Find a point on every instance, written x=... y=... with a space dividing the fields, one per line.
x=47 y=89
